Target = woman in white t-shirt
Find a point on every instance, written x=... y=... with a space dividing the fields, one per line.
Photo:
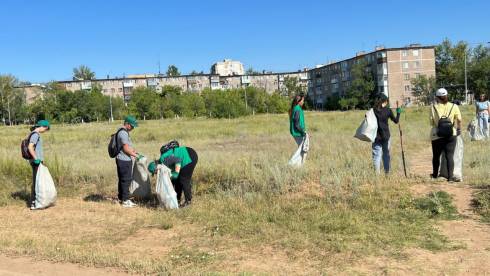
x=482 y=112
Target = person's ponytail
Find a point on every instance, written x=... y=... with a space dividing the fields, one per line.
x=294 y=103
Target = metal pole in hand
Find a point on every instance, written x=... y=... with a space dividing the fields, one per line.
x=401 y=144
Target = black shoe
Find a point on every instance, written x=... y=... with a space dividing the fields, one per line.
x=454 y=179
x=185 y=204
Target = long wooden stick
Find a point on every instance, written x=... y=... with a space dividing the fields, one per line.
x=401 y=144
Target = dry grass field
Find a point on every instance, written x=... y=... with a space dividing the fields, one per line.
x=252 y=214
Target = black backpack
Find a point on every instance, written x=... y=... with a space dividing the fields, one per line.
x=24 y=147
x=444 y=126
x=114 y=149
x=170 y=145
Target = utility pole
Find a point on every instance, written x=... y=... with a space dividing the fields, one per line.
x=465 y=78
x=110 y=103
x=246 y=104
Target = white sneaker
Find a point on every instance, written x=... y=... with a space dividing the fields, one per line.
x=128 y=204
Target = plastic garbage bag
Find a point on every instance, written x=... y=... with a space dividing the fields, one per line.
x=165 y=191
x=299 y=155
x=140 y=187
x=45 y=189
x=458 y=161
x=369 y=127
x=474 y=130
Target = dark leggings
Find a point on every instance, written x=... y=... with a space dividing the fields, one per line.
x=184 y=181
x=446 y=145
x=33 y=186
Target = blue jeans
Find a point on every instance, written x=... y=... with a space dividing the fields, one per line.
x=381 y=149
x=483 y=123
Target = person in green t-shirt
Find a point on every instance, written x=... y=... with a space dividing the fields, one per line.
x=297 y=125
x=181 y=161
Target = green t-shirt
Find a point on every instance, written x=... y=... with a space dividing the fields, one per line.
x=297 y=116
x=175 y=157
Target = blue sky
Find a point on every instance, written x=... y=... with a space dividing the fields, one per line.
x=44 y=40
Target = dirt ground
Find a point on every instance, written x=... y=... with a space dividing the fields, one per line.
x=20 y=266
x=472 y=236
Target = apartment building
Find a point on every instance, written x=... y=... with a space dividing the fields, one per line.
x=227 y=67
x=123 y=87
x=392 y=70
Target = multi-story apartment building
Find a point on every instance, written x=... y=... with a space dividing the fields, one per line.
x=123 y=87
x=227 y=67
x=392 y=70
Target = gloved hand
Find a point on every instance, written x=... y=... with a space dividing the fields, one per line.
x=458 y=131
x=399 y=110
x=138 y=158
x=175 y=175
x=152 y=167
x=36 y=162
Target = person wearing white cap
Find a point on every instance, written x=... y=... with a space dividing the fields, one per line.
x=443 y=117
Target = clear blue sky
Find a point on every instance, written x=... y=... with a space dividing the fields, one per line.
x=44 y=40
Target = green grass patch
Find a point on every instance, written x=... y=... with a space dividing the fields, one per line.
x=438 y=205
x=481 y=202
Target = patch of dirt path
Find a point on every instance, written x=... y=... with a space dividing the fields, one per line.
x=473 y=236
x=22 y=266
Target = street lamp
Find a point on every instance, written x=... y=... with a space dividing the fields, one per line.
x=110 y=103
x=466 y=72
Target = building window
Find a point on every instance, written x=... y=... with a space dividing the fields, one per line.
x=416 y=64
x=407 y=88
x=404 y=53
x=417 y=75
x=415 y=53
x=406 y=77
x=405 y=65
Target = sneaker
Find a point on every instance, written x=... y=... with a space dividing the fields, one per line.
x=128 y=204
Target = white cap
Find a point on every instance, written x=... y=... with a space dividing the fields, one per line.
x=441 y=92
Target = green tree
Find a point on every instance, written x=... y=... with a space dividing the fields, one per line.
x=83 y=72
x=173 y=71
x=479 y=71
x=362 y=89
x=142 y=101
x=13 y=108
x=292 y=86
x=251 y=71
x=423 y=88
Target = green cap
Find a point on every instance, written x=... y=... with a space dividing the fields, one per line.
x=152 y=167
x=131 y=120
x=43 y=123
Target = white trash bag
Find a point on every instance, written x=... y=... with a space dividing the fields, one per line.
x=458 y=161
x=140 y=186
x=299 y=155
x=44 y=187
x=369 y=127
x=165 y=191
x=474 y=130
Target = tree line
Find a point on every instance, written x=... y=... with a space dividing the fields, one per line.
x=60 y=105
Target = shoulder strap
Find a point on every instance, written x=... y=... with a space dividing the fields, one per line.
x=434 y=106
x=30 y=136
x=450 y=110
